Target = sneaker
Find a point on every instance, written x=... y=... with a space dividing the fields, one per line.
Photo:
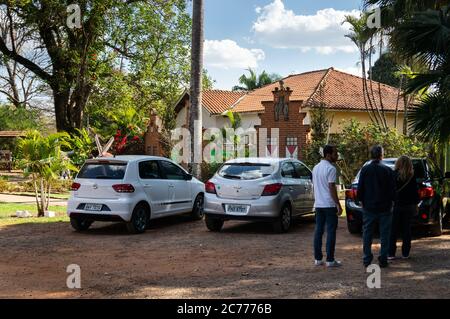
x=333 y=264
x=392 y=258
x=318 y=262
x=405 y=257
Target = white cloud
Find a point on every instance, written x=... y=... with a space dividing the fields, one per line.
x=227 y=54
x=323 y=31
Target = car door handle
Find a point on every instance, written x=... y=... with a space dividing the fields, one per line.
x=291 y=189
x=171 y=186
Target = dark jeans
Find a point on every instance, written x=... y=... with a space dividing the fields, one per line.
x=325 y=217
x=385 y=221
x=401 y=223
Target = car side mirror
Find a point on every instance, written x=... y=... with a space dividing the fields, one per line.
x=447 y=175
x=188 y=177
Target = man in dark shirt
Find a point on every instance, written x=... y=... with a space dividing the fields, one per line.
x=376 y=192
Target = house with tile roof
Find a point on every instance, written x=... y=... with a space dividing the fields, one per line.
x=294 y=97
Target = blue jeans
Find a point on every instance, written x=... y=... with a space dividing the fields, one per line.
x=325 y=217
x=385 y=221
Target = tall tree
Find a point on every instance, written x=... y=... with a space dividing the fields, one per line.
x=255 y=81
x=144 y=36
x=195 y=117
x=20 y=86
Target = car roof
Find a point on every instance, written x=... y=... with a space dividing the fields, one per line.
x=127 y=158
x=262 y=160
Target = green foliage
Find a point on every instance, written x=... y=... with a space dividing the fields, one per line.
x=147 y=40
x=81 y=146
x=42 y=159
x=356 y=140
x=254 y=81
x=319 y=132
x=385 y=70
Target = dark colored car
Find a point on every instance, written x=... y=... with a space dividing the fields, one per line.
x=431 y=212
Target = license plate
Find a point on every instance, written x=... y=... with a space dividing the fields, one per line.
x=93 y=207
x=237 y=209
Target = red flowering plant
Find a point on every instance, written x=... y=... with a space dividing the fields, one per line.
x=130 y=130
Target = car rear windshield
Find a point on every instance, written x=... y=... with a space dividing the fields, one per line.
x=420 y=169
x=245 y=171
x=103 y=171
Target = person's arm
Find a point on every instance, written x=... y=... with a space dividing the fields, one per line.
x=333 y=190
x=361 y=188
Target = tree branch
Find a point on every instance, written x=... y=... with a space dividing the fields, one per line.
x=25 y=62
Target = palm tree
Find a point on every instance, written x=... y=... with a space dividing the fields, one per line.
x=254 y=81
x=195 y=118
x=41 y=159
x=362 y=36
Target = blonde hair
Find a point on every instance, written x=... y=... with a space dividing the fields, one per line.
x=404 y=167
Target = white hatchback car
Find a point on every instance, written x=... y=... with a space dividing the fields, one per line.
x=132 y=189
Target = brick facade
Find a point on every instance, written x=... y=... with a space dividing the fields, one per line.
x=293 y=128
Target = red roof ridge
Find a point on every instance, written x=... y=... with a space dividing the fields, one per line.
x=320 y=84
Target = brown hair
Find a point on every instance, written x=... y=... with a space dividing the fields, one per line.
x=404 y=167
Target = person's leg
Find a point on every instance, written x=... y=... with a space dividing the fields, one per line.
x=406 y=215
x=368 y=222
x=320 y=226
x=394 y=233
x=385 y=229
x=332 y=223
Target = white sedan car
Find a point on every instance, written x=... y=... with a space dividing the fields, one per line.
x=132 y=189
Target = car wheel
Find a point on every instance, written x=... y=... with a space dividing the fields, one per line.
x=284 y=221
x=436 y=230
x=197 y=212
x=80 y=223
x=354 y=228
x=213 y=224
x=139 y=219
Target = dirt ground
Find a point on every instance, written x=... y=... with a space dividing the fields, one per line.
x=179 y=258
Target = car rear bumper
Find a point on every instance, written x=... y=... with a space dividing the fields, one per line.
x=260 y=209
x=355 y=215
x=113 y=210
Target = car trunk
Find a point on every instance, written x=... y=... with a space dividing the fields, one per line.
x=240 y=189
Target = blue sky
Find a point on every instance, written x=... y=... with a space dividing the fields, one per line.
x=279 y=36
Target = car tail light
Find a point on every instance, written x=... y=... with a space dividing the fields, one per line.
x=272 y=189
x=426 y=192
x=123 y=188
x=210 y=188
x=351 y=194
x=75 y=186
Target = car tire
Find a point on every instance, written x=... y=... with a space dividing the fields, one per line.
x=354 y=228
x=80 y=223
x=436 y=230
x=139 y=219
x=284 y=221
x=214 y=224
x=197 y=211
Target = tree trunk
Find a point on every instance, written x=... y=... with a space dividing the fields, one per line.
x=196 y=87
x=42 y=206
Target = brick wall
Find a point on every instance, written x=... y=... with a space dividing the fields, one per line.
x=292 y=128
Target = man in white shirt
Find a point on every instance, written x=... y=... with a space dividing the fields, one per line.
x=327 y=206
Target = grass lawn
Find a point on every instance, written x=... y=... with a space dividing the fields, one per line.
x=8 y=209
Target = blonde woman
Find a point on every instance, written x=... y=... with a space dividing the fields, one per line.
x=405 y=206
